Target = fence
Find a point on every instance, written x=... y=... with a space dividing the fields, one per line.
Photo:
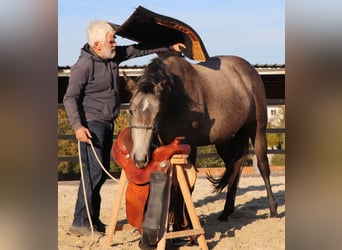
x=199 y=155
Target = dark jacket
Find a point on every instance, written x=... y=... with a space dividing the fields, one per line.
x=93 y=90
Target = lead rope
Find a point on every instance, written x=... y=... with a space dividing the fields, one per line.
x=100 y=163
x=84 y=193
x=83 y=185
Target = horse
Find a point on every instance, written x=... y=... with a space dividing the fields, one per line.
x=221 y=101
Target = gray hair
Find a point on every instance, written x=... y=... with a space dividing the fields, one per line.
x=97 y=31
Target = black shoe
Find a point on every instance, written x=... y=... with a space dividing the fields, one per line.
x=100 y=227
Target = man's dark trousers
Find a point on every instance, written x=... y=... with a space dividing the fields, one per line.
x=94 y=176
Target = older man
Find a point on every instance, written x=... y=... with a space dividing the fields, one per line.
x=92 y=104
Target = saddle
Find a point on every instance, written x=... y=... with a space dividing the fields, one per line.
x=139 y=178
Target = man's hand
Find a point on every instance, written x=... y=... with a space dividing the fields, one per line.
x=177 y=47
x=83 y=134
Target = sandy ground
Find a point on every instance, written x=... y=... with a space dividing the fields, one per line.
x=249 y=227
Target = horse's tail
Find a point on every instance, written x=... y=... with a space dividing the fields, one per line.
x=219 y=183
x=234 y=160
x=228 y=178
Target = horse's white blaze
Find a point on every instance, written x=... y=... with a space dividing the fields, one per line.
x=146 y=104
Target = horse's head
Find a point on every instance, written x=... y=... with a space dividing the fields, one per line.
x=144 y=111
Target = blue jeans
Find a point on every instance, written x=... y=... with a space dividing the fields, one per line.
x=94 y=176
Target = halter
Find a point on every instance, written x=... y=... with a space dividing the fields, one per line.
x=143 y=127
x=153 y=127
x=155 y=139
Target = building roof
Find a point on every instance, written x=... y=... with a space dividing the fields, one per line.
x=263 y=69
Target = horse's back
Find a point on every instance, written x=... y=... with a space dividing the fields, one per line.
x=238 y=71
x=230 y=66
x=229 y=90
x=217 y=62
x=229 y=75
x=221 y=73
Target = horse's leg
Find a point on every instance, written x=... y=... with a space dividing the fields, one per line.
x=192 y=156
x=233 y=154
x=259 y=142
x=224 y=151
x=229 y=205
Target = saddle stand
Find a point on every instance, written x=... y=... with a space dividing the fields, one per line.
x=176 y=171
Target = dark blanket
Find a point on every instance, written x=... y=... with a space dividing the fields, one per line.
x=149 y=27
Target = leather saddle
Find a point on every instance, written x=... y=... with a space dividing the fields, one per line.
x=138 y=178
x=159 y=160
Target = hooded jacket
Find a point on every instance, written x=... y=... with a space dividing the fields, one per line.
x=93 y=91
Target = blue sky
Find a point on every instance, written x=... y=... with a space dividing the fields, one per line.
x=254 y=30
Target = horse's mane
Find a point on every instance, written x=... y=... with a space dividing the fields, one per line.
x=157 y=72
x=154 y=73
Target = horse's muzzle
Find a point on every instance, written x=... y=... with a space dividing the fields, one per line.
x=140 y=163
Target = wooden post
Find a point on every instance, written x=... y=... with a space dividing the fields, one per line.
x=177 y=163
x=190 y=205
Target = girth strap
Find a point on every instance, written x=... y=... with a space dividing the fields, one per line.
x=154 y=209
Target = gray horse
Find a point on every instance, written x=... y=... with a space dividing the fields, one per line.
x=221 y=101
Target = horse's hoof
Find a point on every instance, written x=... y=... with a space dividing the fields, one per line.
x=274 y=214
x=273 y=211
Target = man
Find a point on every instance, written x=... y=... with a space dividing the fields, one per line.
x=92 y=104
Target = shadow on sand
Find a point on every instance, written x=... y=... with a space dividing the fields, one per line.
x=243 y=215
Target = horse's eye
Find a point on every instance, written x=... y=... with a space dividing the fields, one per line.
x=130 y=111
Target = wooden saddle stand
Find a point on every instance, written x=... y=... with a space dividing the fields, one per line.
x=171 y=159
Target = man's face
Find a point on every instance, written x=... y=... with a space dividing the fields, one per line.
x=106 y=50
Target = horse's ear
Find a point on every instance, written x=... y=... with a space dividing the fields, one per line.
x=131 y=85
